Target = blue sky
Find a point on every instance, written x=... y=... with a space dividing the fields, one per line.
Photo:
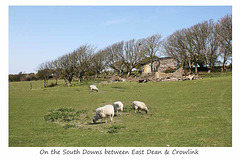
x=38 y=34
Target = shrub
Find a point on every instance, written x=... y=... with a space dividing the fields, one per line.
x=63 y=115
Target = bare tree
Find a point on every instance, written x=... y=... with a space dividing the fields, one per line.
x=99 y=62
x=82 y=59
x=66 y=64
x=175 y=46
x=224 y=35
x=113 y=57
x=133 y=54
x=198 y=35
x=211 y=46
x=190 y=49
x=57 y=71
x=59 y=66
x=44 y=72
x=196 y=45
x=152 y=46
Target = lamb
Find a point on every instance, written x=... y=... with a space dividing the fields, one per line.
x=137 y=105
x=103 y=112
x=118 y=106
x=93 y=87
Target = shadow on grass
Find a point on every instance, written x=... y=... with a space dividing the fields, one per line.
x=117 y=87
x=95 y=123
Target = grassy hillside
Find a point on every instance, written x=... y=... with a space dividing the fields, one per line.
x=188 y=113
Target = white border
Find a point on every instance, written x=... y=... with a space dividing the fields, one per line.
x=225 y=153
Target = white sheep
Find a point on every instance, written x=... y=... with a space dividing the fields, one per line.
x=93 y=87
x=118 y=106
x=104 y=112
x=137 y=105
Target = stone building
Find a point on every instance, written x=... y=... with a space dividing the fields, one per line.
x=159 y=65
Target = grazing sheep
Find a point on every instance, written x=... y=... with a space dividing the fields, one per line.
x=137 y=105
x=93 y=87
x=118 y=106
x=103 y=112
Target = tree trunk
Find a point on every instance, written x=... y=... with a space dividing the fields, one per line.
x=211 y=67
x=65 y=81
x=190 y=66
x=80 y=78
x=120 y=72
x=129 y=73
x=44 y=83
x=70 y=79
x=223 y=66
x=196 y=70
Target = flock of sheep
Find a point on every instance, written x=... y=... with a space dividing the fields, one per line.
x=109 y=110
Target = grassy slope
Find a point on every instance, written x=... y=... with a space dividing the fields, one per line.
x=188 y=113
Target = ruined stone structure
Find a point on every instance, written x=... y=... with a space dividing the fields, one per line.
x=159 y=65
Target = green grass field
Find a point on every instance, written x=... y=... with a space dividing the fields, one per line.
x=194 y=113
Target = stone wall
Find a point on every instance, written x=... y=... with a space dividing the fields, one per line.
x=159 y=65
x=167 y=63
x=146 y=69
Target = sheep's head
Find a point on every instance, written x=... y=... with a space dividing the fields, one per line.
x=146 y=111
x=95 y=119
